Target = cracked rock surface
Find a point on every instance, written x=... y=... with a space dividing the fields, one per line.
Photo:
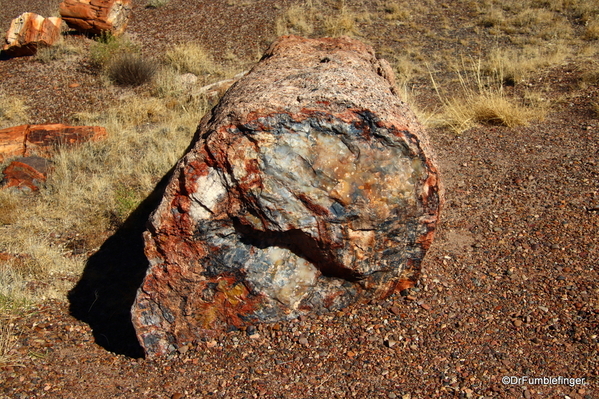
x=309 y=187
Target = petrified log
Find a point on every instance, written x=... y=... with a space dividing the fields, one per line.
x=29 y=31
x=26 y=173
x=44 y=139
x=96 y=16
x=25 y=140
x=309 y=187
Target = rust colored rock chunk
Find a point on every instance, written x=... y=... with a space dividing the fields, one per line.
x=12 y=141
x=26 y=140
x=29 y=31
x=26 y=173
x=96 y=16
x=309 y=187
x=44 y=139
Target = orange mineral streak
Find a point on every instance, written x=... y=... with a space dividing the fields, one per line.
x=231 y=302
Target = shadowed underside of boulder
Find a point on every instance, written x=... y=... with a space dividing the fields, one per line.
x=309 y=187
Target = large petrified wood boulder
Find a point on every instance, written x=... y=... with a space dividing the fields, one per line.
x=96 y=16
x=29 y=31
x=309 y=187
x=25 y=140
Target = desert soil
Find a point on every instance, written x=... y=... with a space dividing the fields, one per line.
x=509 y=287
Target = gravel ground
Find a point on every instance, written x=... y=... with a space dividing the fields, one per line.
x=510 y=286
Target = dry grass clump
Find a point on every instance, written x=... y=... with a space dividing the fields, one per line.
x=13 y=110
x=342 y=24
x=131 y=70
x=591 y=31
x=9 y=205
x=191 y=57
x=514 y=65
x=297 y=20
x=538 y=19
x=533 y=23
x=394 y=11
x=483 y=100
x=168 y=83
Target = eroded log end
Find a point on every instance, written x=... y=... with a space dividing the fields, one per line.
x=308 y=188
x=28 y=32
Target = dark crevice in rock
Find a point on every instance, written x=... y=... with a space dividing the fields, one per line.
x=301 y=244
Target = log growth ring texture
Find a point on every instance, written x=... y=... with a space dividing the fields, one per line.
x=310 y=186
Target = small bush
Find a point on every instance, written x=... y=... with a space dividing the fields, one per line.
x=107 y=47
x=131 y=70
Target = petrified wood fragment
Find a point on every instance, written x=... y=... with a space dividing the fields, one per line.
x=29 y=31
x=26 y=173
x=309 y=187
x=25 y=140
x=96 y=16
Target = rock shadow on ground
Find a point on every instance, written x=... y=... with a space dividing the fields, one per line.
x=106 y=290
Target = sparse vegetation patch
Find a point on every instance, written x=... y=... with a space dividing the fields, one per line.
x=191 y=57
x=107 y=47
x=295 y=21
x=13 y=110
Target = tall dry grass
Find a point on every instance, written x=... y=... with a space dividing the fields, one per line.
x=515 y=65
x=191 y=57
x=297 y=20
x=482 y=99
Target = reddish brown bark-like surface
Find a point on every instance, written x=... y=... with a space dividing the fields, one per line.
x=25 y=140
x=96 y=16
x=309 y=187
